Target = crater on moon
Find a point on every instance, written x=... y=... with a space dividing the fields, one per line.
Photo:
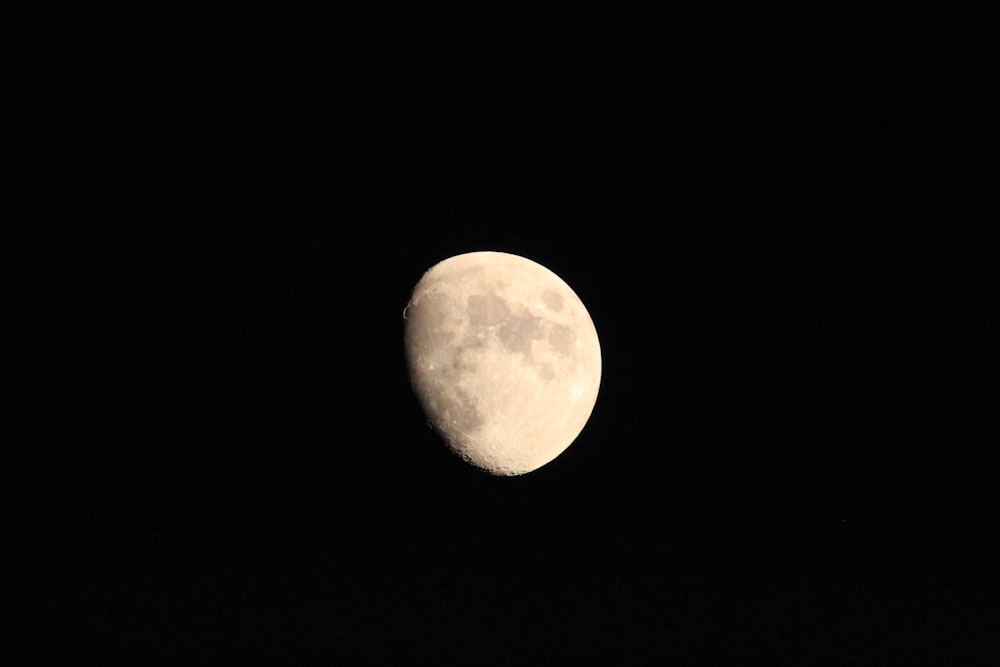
x=507 y=380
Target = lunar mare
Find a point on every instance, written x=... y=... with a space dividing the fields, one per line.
x=504 y=359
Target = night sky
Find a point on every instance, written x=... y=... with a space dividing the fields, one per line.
x=765 y=214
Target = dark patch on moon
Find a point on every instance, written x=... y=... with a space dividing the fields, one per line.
x=437 y=364
x=462 y=414
x=517 y=332
x=486 y=310
x=452 y=409
x=424 y=320
x=561 y=338
x=552 y=300
x=472 y=341
x=453 y=370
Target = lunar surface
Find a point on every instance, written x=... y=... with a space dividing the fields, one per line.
x=504 y=359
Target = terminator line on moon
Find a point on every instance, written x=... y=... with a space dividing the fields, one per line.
x=504 y=359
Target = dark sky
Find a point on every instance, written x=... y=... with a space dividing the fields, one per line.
x=763 y=212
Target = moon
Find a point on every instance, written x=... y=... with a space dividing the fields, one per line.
x=504 y=359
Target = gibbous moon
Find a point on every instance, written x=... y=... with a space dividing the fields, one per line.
x=504 y=359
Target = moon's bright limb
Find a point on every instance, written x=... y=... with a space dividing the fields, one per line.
x=504 y=359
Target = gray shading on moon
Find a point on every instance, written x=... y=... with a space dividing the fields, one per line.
x=504 y=359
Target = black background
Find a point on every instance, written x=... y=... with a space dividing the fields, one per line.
x=766 y=213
